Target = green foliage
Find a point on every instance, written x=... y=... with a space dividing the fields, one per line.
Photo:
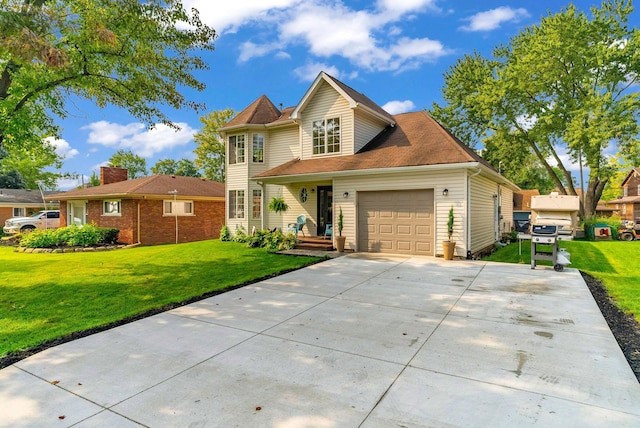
x=240 y=235
x=340 y=222
x=272 y=241
x=450 y=223
x=277 y=205
x=560 y=86
x=62 y=294
x=614 y=222
x=225 y=234
x=87 y=235
x=210 y=152
x=136 y=165
x=183 y=168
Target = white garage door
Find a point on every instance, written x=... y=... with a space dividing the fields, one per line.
x=399 y=221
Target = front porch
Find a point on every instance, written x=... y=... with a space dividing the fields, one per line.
x=314 y=243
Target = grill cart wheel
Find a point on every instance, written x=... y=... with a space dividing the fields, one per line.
x=558 y=268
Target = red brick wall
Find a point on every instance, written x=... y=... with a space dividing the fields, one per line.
x=5 y=213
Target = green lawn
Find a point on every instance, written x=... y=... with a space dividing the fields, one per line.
x=47 y=296
x=615 y=263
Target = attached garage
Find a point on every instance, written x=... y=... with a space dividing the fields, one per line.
x=398 y=221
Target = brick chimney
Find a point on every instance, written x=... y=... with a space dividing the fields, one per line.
x=112 y=174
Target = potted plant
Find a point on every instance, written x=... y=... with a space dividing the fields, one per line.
x=449 y=246
x=277 y=205
x=340 y=239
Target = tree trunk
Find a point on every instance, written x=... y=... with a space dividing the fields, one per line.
x=592 y=196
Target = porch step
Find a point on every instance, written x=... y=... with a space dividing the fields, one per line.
x=314 y=243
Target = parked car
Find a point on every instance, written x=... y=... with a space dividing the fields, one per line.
x=46 y=219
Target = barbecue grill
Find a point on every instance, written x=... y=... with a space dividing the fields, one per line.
x=545 y=235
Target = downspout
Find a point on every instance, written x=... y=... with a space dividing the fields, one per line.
x=138 y=225
x=263 y=209
x=469 y=212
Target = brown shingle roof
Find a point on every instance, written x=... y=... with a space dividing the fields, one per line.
x=522 y=199
x=361 y=98
x=416 y=140
x=154 y=185
x=259 y=112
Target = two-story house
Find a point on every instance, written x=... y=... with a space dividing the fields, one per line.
x=394 y=177
x=628 y=206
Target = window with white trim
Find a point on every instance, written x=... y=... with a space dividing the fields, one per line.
x=236 y=203
x=625 y=191
x=258 y=148
x=326 y=136
x=236 y=149
x=257 y=204
x=111 y=207
x=19 y=212
x=177 y=208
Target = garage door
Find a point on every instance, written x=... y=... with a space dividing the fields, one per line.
x=399 y=221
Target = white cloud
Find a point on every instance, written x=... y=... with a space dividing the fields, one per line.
x=137 y=138
x=397 y=107
x=310 y=71
x=400 y=7
x=62 y=147
x=492 y=19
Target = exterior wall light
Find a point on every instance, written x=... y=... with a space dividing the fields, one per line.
x=445 y=192
x=345 y=195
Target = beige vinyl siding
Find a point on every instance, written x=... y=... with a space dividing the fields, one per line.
x=482 y=212
x=453 y=180
x=327 y=103
x=365 y=129
x=237 y=179
x=506 y=223
x=282 y=145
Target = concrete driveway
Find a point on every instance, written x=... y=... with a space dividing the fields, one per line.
x=361 y=340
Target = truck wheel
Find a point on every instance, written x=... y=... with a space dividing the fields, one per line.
x=27 y=229
x=626 y=236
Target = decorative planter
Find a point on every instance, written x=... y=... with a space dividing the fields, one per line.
x=340 y=243
x=448 y=247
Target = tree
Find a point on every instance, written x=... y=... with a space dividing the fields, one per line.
x=131 y=54
x=183 y=167
x=30 y=159
x=560 y=86
x=210 y=153
x=135 y=165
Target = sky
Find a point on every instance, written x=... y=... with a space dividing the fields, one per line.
x=393 y=51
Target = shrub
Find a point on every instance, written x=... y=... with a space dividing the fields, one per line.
x=108 y=235
x=272 y=241
x=225 y=234
x=87 y=235
x=40 y=239
x=615 y=222
x=240 y=235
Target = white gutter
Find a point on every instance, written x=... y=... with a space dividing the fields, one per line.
x=468 y=228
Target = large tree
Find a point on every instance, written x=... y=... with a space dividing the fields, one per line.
x=136 y=165
x=210 y=153
x=183 y=167
x=135 y=55
x=565 y=85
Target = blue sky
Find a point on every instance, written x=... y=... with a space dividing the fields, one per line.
x=394 y=51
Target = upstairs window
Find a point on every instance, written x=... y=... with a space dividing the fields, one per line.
x=236 y=203
x=326 y=136
x=258 y=148
x=112 y=207
x=236 y=149
x=625 y=191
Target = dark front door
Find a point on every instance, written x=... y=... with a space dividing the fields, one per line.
x=325 y=207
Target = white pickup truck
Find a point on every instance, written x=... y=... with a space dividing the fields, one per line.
x=47 y=219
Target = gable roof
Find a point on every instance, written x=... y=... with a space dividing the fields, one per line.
x=416 y=140
x=631 y=173
x=155 y=186
x=355 y=98
x=25 y=197
x=522 y=199
x=259 y=112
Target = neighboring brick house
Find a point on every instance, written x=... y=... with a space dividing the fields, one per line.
x=394 y=177
x=22 y=203
x=628 y=206
x=145 y=209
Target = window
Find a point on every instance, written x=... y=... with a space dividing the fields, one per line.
x=236 y=149
x=19 y=212
x=638 y=191
x=625 y=191
x=257 y=204
x=236 y=203
x=111 y=207
x=326 y=136
x=178 y=208
x=624 y=208
x=258 y=148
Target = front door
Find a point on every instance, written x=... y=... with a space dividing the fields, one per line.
x=325 y=208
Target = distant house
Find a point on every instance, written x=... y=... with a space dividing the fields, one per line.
x=21 y=203
x=522 y=209
x=393 y=177
x=145 y=209
x=628 y=206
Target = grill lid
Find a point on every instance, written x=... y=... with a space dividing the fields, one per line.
x=544 y=229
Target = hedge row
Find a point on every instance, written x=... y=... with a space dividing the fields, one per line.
x=87 y=235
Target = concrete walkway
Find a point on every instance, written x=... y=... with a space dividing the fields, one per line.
x=360 y=340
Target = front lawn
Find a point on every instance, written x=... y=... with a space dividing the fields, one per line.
x=47 y=296
x=615 y=263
